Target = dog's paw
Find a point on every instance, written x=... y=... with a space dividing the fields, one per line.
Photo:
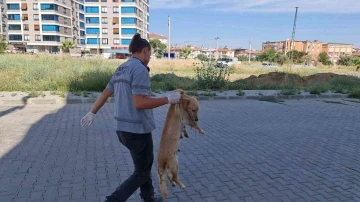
x=201 y=131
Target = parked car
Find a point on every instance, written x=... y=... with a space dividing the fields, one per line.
x=226 y=62
x=269 y=64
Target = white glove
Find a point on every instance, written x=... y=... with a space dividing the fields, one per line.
x=87 y=119
x=174 y=97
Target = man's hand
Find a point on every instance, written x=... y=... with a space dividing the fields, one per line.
x=174 y=97
x=87 y=119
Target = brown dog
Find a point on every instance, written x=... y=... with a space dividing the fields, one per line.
x=178 y=115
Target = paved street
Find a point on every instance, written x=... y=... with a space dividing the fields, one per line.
x=306 y=150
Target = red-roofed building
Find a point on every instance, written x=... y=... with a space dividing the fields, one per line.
x=162 y=38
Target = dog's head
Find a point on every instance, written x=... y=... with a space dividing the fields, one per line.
x=190 y=106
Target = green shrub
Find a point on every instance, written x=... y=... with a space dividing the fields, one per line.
x=208 y=77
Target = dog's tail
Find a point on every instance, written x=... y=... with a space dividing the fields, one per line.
x=162 y=176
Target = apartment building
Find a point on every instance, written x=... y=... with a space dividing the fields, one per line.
x=42 y=25
x=111 y=24
x=100 y=26
x=312 y=48
x=336 y=50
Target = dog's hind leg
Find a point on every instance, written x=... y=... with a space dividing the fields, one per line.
x=170 y=177
x=174 y=169
x=163 y=188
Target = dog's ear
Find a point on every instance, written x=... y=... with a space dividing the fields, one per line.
x=182 y=92
x=185 y=100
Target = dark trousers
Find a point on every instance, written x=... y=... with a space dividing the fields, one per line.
x=141 y=150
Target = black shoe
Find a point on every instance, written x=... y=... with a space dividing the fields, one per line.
x=153 y=199
x=111 y=199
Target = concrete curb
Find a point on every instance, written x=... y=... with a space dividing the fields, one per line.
x=64 y=101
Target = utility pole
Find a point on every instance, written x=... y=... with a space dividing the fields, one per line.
x=250 y=51
x=293 y=35
x=217 y=46
x=169 y=37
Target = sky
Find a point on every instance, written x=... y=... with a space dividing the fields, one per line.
x=235 y=22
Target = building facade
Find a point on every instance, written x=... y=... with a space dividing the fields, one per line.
x=100 y=26
x=161 y=38
x=312 y=48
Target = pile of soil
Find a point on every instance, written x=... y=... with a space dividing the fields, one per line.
x=281 y=78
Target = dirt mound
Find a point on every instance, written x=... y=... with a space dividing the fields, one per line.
x=281 y=79
x=276 y=79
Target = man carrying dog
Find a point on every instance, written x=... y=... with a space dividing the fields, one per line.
x=134 y=117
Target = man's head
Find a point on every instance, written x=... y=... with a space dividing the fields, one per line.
x=140 y=48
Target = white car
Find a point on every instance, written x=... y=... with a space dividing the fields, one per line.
x=226 y=62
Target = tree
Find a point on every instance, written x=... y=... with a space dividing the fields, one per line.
x=268 y=56
x=185 y=52
x=346 y=61
x=307 y=59
x=243 y=58
x=3 y=46
x=324 y=59
x=158 y=47
x=296 y=56
x=66 y=46
x=281 y=59
x=202 y=57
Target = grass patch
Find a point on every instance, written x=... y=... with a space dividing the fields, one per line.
x=319 y=88
x=240 y=93
x=192 y=93
x=290 y=90
x=355 y=93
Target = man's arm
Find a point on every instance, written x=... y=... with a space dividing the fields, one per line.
x=146 y=102
x=101 y=100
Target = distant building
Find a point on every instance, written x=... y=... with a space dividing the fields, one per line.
x=162 y=38
x=312 y=48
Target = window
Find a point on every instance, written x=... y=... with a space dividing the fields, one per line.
x=82 y=33
x=116 y=42
x=14 y=27
x=25 y=17
x=116 y=9
x=14 y=17
x=26 y=27
x=92 y=9
x=92 y=30
x=91 y=0
x=103 y=9
x=125 y=41
x=116 y=30
x=14 y=37
x=26 y=38
x=92 y=20
x=36 y=17
x=82 y=25
x=105 y=41
x=37 y=38
x=50 y=28
x=35 y=7
x=81 y=7
x=103 y=0
x=128 y=9
x=37 y=27
x=81 y=16
x=115 y=1
x=127 y=0
x=105 y=30
x=65 y=30
x=82 y=41
x=104 y=20
x=49 y=7
x=13 y=6
x=51 y=38
x=50 y=17
x=92 y=41
x=128 y=31
x=24 y=6
x=128 y=20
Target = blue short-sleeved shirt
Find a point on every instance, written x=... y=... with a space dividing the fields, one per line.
x=131 y=78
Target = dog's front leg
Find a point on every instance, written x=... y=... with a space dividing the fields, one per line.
x=197 y=127
x=186 y=134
